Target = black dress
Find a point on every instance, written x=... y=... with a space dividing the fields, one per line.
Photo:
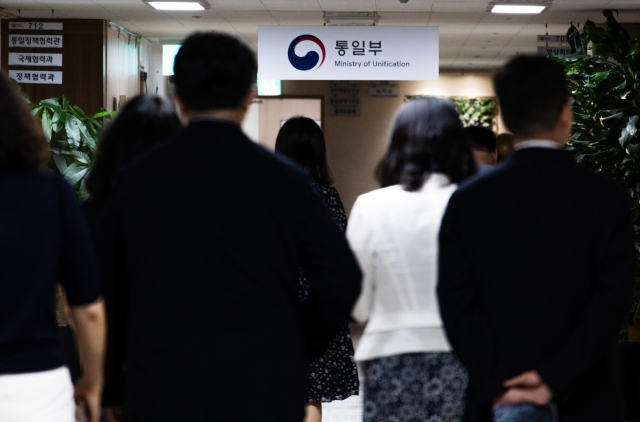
x=334 y=376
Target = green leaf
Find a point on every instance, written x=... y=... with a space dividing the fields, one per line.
x=104 y=113
x=60 y=162
x=629 y=132
x=75 y=173
x=632 y=149
x=77 y=111
x=82 y=157
x=51 y=102
x=58 y=121
x=45 y=120
x=601 y=76
x=73 y=131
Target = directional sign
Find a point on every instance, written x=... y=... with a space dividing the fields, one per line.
x=39 y=26
x=35 y=59
x=45 y=77
x=552 y=38
x=554 y=51
x=35 y=41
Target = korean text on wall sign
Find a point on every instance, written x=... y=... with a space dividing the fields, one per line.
x=35 y=41
x=359 y=48
x=33 y=59
x=36 y=77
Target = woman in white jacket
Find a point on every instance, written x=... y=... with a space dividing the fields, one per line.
x=410 y=372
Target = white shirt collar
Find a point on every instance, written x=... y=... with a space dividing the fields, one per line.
x=437 y=179
x=537 y=143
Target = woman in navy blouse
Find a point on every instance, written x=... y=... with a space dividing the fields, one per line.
x=43 y=242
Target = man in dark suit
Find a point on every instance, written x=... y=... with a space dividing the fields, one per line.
x=537 y=264
x=201 y=247
x=483 y=146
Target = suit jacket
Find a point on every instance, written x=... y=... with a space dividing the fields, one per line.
x=200 y=247
x=536 y=272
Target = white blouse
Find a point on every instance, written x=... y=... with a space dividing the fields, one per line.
x=394 y=235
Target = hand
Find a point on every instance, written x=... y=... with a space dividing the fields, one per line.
x=87 y=396
x=114 y=413
x=527 y=387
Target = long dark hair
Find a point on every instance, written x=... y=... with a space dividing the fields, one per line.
x=302 y=140
x=22 y=143
x=427 y=137
x=144 y=121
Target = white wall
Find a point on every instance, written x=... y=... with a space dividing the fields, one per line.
x=355 y=145
x=151 y=62
x=122 y=66
x=126 y=56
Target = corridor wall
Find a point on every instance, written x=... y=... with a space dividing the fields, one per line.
x=355 y=144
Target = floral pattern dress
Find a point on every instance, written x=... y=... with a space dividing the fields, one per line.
x=333 y=376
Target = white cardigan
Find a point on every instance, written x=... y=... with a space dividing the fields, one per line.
x=394 y=235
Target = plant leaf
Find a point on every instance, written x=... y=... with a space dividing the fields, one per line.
x=75 y=173
x=60 y=162
x=601 y=76
x=45 y=120
x=73 y=131
x=51 y=102
x=82 y=157
x=104 y=113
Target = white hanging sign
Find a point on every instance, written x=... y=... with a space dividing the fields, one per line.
x=35 y=59
x=45 y=77
x=348 y=53
x=38 y=26
x=35 y=41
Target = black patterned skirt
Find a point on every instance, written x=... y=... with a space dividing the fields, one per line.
x=414 y=387
x=334 y=376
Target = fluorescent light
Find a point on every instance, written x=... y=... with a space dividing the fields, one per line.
x=514 y=8
x=351 y=18
x=176 y=5
x=269 y=87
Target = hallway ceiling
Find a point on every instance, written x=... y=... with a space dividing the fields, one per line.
x=471 y=39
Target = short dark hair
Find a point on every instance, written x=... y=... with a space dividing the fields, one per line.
x=481 y=138
x=22 y=143
x=532 y=91
x=426 y=137
x=302 y=140
x=144 y=121
x=214 y=71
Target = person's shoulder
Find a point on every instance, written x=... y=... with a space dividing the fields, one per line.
x=327 y=190
x=381 y=198
x=603 y=189
x=49 y=178
x=149 y=156
x=281 y=164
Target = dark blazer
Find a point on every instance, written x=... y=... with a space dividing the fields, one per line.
x=199 y=249
x=536 y=272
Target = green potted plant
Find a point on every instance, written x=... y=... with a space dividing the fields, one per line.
x=603 y=76
x=72 y=136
